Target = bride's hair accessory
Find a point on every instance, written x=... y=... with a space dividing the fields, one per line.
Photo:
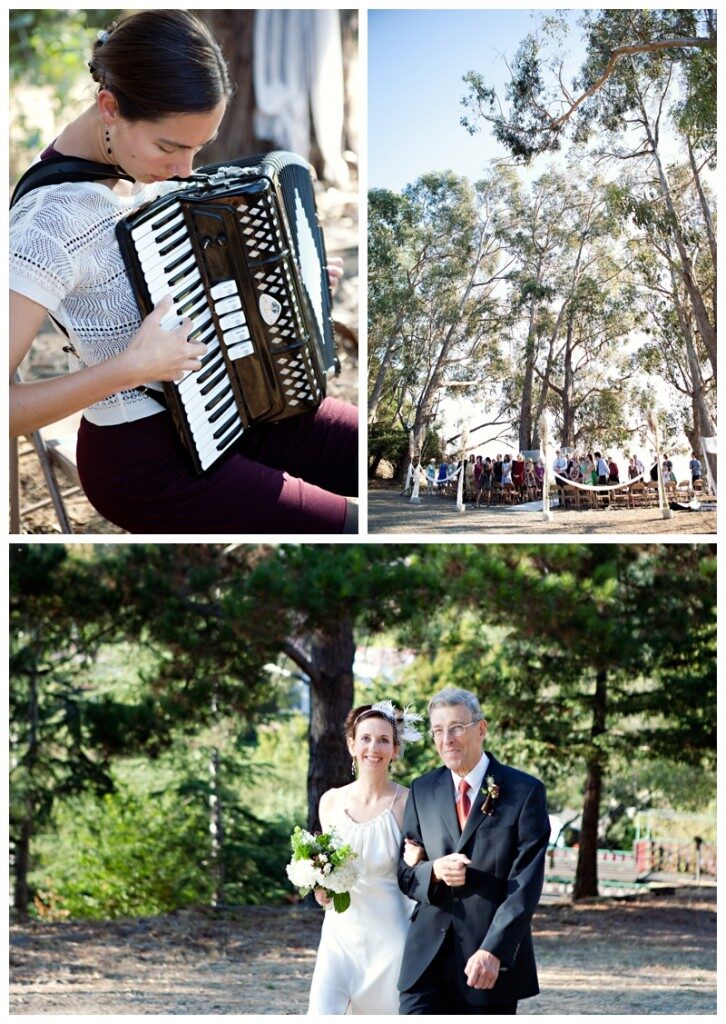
x=402 y=721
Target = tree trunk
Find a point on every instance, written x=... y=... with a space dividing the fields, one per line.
x=331 y=698
x=705 y=327
x=705 y=208
x=22 y=895
x=703 y=423
x=568 y=391
x=586 y=875
x=21 y=867
x=381 y=376
x=234 y=31
x=530 y=354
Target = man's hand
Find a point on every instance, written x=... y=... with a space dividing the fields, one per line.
x=451 y=869
x=482 y=969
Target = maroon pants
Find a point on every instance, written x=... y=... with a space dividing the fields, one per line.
x=287 y=477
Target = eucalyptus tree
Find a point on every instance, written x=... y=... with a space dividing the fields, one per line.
x=436 y=261
x=641 y=68
x=571 y=301
x=675 y=349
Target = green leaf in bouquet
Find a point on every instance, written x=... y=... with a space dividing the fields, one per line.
x=341 y=901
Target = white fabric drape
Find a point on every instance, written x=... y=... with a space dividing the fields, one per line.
x=298 y=69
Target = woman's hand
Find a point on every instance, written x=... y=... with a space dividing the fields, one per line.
x=413 y=853
x=322 y=897
x=155 y=353
x=335 y=271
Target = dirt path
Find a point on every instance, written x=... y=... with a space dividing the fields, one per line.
x=654 y=955
x=388 y=512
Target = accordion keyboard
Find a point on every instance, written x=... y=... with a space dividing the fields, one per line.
x=165 y=255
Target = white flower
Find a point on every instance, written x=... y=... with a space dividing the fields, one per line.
x=302 y=873
x=343 y=878
x=327 y=868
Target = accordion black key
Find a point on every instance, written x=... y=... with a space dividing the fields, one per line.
x=241 y=252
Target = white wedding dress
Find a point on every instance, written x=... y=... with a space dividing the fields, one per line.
x=360 y=952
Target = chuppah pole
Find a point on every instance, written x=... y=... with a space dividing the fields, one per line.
x=544 y=441
x=460 y=506
x=665 y=510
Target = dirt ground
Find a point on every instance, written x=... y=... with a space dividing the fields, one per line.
x=388 y=512
x=655 y=954
x=339 y=217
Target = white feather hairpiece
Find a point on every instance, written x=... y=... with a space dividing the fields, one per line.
x=403 y=720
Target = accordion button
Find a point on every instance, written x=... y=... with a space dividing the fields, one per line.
x=223 y=288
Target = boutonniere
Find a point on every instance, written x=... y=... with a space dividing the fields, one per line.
x=491 y=793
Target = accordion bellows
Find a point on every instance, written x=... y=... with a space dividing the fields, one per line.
x=241 y=252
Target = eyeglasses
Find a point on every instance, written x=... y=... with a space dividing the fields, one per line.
x=453 y=730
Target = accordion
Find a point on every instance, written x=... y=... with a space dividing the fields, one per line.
x=242 y=254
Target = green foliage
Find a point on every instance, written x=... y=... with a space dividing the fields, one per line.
x=528 y=123
x=51 y=47
x=48 y=49
x=126 y=855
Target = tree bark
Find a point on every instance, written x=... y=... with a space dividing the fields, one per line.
x=530 y=354
x=331 y=698
x=381 y=375
x=705 y=328
x=234 y=31
x=703 y=423
x=568 y=391
x=21 y=894
x=585 y=884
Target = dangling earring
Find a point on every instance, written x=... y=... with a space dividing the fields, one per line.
x=107 y=139
x=352 y=767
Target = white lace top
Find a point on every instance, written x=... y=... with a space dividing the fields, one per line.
x=64 y=256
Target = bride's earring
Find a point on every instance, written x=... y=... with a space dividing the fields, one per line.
x=352 y=767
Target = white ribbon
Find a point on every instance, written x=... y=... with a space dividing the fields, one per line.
x=601 y=487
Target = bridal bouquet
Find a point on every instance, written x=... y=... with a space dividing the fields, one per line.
x=322 y=861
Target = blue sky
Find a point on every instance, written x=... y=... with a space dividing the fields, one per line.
x=416 y=61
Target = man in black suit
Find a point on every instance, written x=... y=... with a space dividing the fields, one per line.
x=482 y=830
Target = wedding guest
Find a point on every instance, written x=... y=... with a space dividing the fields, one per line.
x=485 y=481
x=696 y=469
x=430 y=476
x=602 y=469
x=539 y=473
x=560 y=463
x=518 y=467
x=530 y=483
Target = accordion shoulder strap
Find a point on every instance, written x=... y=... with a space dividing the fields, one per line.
x=56 y=170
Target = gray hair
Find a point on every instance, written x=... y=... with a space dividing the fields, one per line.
x=451 y=696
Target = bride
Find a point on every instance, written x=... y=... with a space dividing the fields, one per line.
x=359 y=957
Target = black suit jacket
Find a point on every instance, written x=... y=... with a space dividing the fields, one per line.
x=494 y=908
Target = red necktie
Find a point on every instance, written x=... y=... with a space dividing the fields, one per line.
x=463 y=803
